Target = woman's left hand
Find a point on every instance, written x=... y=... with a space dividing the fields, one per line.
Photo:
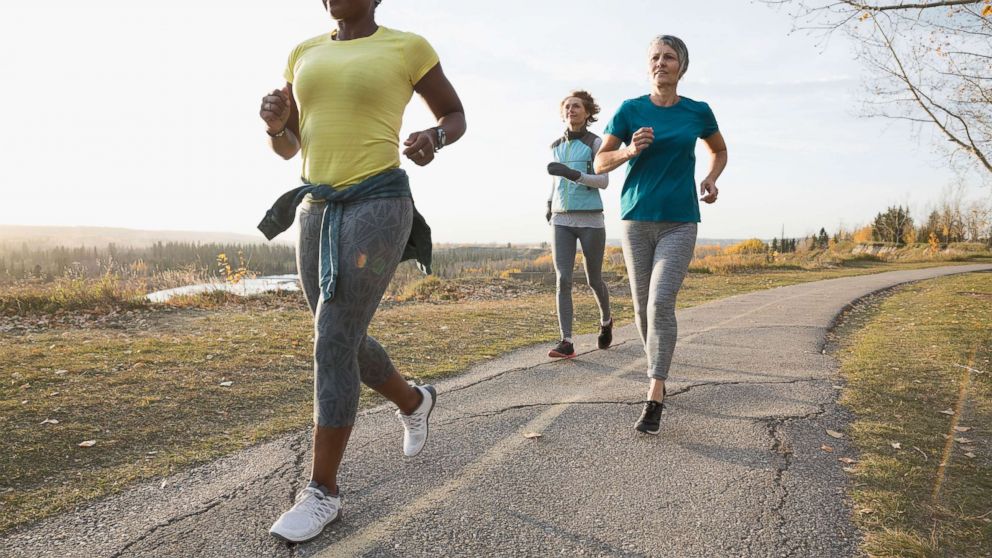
x=708 y=190
x=420 y=147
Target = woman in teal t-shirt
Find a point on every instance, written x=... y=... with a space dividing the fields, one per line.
x=658 y=204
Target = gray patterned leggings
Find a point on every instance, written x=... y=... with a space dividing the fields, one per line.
x=373 y=235
x=593 y=241
x=657 y=256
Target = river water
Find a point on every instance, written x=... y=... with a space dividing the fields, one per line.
x=245 y=287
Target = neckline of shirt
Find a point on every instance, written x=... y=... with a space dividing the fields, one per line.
x=650 y=102
x=334 y=33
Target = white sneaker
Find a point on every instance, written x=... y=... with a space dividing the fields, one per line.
x=307 y=518
x=415 y=428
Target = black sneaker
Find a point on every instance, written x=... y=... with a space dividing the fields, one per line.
x=650 y=421
x=605 y=338
x=564 y=349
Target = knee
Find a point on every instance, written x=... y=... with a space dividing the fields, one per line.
x=564 y=282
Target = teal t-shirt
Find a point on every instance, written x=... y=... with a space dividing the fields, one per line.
x=661 y=181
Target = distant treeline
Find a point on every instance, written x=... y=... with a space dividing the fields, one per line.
x=22 y=261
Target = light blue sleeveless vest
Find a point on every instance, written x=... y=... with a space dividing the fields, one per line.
x=570 y=196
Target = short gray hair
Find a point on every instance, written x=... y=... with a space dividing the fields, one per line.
x=678 y=46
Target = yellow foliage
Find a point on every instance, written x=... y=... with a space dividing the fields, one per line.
x=749 y=246
x=233 y=275
x=863 y=234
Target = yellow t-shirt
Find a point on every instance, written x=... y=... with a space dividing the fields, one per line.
x=351 y=96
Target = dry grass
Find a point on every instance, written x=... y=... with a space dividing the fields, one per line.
x=904 y=360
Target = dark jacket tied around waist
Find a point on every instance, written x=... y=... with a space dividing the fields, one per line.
x=390 y=184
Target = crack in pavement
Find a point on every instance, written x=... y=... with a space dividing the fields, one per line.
x=204 y=508
x=783 y=452
x=501 y=410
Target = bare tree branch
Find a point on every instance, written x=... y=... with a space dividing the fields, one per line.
x=909 y=6
x=970 y=145
x=929 y=62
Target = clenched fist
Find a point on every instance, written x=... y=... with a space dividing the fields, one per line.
x=275 y=110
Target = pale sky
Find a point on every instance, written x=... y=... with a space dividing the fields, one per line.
x=145 y=114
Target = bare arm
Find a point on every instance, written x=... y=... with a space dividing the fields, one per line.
x=610 y=156
x=718 y=162
x=282 y=121
x=444 y=103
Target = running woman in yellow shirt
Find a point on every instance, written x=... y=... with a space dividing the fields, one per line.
x=342 y=108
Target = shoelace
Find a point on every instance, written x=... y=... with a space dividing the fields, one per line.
x=415 y=420
x=309 y=499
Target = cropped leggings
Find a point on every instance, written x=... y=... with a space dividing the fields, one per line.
x=372 y=238
x=593 y=241
x=657 y=256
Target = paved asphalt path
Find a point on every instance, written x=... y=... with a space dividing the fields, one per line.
x=736 y=471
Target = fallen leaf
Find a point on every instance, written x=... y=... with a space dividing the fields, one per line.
x=962 y=428
x=947 y=412
x=834 y=434
x=970 y=455
x=164 y=482
x=53 y=394
x=49 y=421
x=532 y=435
x=87 y=444
x=850 y=470
x=61 y=372
x=838 y=387
x=962 y=440
x=847 y=460
x=896 y=445
x=865 y=511
x=226 y=384
x=826 y=448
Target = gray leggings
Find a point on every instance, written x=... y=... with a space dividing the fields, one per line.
x=593 y=242
x=373 y=235
x=658 y=256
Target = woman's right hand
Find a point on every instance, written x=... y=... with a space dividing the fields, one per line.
x=642 y=139
x=275 y=110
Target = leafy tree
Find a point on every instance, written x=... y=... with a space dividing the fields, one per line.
x=892 y=225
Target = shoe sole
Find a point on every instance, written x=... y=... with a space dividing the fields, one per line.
x=431 y=389
x=646 y=431
x=556 y=354
x=301 y=541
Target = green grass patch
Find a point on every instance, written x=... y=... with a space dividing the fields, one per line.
x=146 y=383
x=919 y=379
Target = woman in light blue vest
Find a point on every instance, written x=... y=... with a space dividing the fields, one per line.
x=575 y=213
x=658 y=204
